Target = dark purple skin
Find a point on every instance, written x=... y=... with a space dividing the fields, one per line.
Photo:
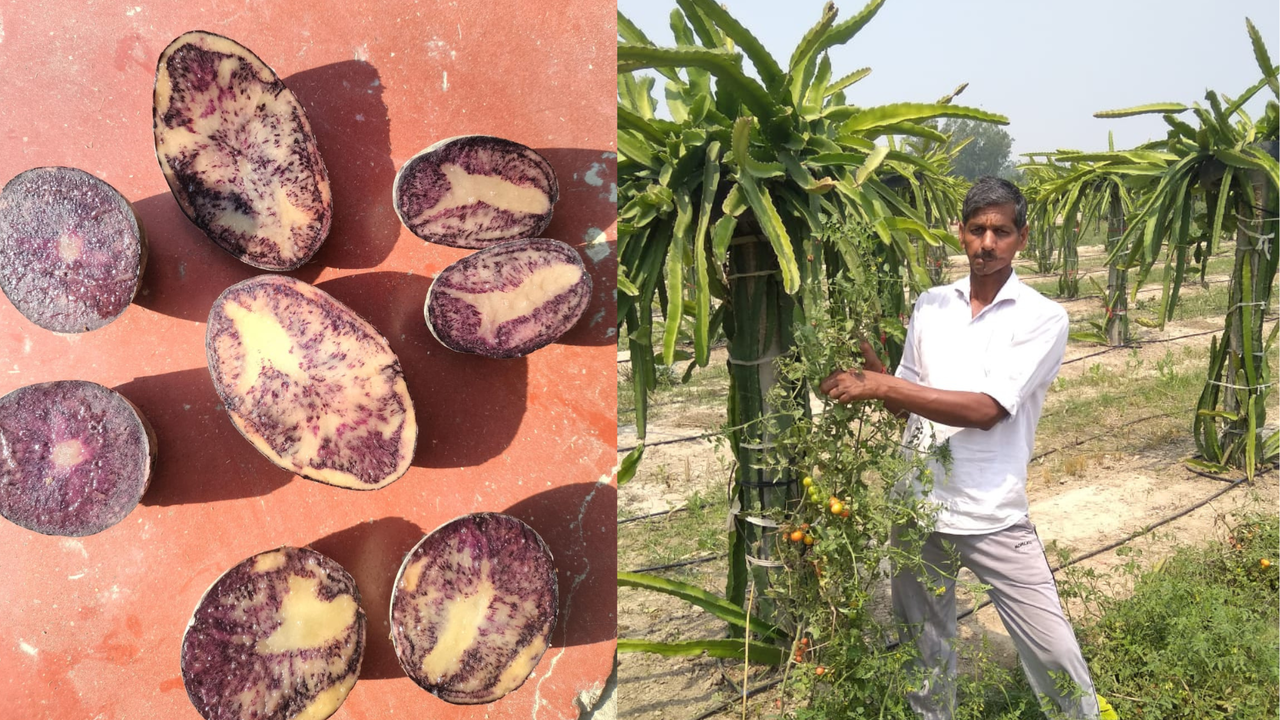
x=421 y=184
x=219 y=657
x=75 y=457
x=71 y=249
x=519 y=565
x=456 y=322
x=226 y=151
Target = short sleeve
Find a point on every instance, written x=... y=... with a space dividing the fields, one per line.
x=1031 y=361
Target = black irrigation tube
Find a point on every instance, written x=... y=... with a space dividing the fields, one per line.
x=1138 y=344
x=672 y=441
x=682 y=563
x=636 y=518
x=750 y=692
x=1111 y=546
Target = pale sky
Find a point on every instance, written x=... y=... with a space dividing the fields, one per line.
x=1047 y=66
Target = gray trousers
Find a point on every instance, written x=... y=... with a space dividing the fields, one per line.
x=1012 y=562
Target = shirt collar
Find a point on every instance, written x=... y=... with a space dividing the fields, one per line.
x=1011 y=290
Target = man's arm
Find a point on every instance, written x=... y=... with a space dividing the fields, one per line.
x=949 y=407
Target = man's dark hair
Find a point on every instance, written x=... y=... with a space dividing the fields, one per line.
x=988 y=191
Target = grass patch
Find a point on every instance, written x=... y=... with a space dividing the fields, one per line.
x=699 y=530
x=1101 y=398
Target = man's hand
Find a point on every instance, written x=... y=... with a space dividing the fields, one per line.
x=846 y=386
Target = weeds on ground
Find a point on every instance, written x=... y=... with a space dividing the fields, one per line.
x=1197 y=638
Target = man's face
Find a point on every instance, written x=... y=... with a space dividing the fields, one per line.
x=991 y=241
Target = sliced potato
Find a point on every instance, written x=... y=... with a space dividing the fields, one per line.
x=311 y=384
x=510 y=299
x=474 y=191
x=238 y=153
x=72 y=251
x=280 y=636
x=473 y=608
x=75 y=457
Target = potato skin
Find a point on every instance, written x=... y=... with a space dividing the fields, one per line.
x=238 y=153
x=311 y=384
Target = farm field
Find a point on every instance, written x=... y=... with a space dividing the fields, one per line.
x=1108 y=464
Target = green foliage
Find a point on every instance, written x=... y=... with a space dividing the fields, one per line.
x=783 y=154
x=850 y=455
x=1228 y=167
x=1197 y=637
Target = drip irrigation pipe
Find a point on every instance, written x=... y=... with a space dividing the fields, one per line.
x=1138 y=344
x=749 y=693
x=682 y=563
x=637 y=518
x=672 y=441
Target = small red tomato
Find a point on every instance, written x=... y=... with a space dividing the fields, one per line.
x=819 y=670
x=797 y=536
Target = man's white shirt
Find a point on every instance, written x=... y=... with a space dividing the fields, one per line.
x=1011 y=351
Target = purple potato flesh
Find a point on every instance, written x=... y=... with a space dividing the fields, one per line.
x=279 y=636
x=474 y=191
x=238 y=152
x=473 y=607
x=71 y=249
x=510 y=299
x=75 y=457
x=311 y=384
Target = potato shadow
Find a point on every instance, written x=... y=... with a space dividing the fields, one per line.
x=468 y=407
x=201 y=456
x=587 y=207
x=372 y=552
x=185 y=270
x=579 y=523
x=344 y=105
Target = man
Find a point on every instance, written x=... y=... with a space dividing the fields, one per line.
x=980 y=355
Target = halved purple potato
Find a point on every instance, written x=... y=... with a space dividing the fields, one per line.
x=473 y=607
x=72 y=250
x=75 y=457
x=311 y=384
x=279 y=636
x=510 y=299
x=238 y=152
x=474 y=191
